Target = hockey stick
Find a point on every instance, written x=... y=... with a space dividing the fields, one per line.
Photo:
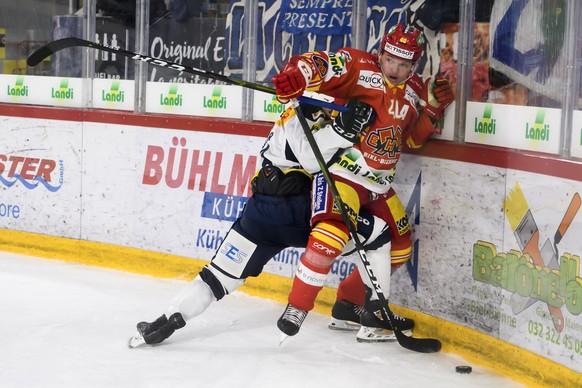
x=52 y=47
x=423 y=345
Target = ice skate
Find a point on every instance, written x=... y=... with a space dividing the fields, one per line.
x=345 y=316
x=152 y=333
x=374 y=328
x=290 y=322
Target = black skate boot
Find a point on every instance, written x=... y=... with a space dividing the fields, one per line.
x=345 y=315
x=155 y=332
x=290 y=322
x=374 y=328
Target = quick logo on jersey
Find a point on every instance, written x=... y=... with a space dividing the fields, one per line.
x=371 y=80
x=30 y=172
x=539 y=131
x=384 y=141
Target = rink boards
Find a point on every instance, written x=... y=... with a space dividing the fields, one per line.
x=171 y=194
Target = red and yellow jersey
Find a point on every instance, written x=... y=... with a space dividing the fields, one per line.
x=353 y=74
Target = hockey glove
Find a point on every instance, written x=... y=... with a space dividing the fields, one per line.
x=350 y=123
x=438 y=95
x=292 y=80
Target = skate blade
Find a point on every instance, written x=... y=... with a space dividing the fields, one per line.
x=136 y=341
x=337 y=324
x=373 y=334
x=283 y=338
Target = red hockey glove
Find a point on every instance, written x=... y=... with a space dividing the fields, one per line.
x=291 y=80
x=438 y=95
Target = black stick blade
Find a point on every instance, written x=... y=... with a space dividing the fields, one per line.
x=421 y=345
x=50 y=48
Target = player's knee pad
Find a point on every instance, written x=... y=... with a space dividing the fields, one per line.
x=219 y=283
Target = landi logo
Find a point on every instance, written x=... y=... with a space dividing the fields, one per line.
x=532 y=274
x=172 y=98
x=19 y=89
x=31 y=171
x=114 y=94
x=539 y=130
x=63 y=92
x=487 y=124
x=180 y=167
x=273 y=107
x=216 y=101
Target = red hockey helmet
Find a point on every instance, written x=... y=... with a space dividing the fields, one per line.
x=403 y=42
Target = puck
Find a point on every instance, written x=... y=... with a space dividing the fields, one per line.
x=464 y=369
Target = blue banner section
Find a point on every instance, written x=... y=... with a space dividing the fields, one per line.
x=293 y=27
x=222 y=206
x=320 y=17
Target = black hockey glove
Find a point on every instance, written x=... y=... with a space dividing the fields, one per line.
x=357 y=118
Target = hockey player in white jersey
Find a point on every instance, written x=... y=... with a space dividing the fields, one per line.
x=277 y=216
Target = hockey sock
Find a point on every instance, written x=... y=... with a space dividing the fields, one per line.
x=192 y=299
x=352 y=289
x=312 y=272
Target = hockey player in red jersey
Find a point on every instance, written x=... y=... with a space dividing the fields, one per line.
x=408 y=110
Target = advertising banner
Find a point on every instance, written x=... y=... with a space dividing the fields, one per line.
x=113 y=94
x=527 y=44
x=39 y=90
x=172 y=191
x=195 y=42
x=40 y=176
x=495 y=250
x=193 y=99
x=522 y=127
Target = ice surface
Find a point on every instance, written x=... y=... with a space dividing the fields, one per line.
x=67 y=325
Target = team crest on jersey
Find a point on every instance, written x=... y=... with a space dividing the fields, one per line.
x=371 y=80
x=384 y=141
x=321 y=65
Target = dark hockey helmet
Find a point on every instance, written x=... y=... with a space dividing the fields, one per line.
x=406 y=42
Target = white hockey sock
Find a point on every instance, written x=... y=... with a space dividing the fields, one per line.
x=192 y=300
